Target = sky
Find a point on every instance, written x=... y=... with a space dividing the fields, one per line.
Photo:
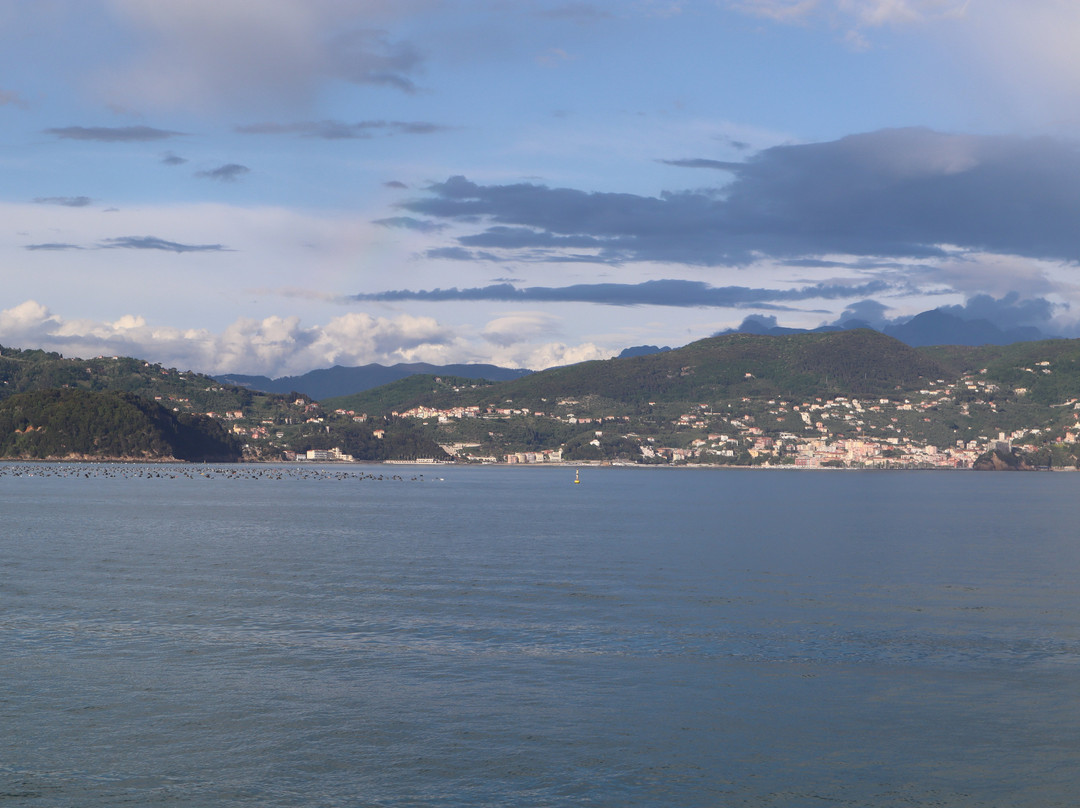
x=274 y=186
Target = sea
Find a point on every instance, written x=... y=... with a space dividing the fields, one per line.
x=320 y=635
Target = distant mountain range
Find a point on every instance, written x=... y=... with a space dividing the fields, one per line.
x=935 y=327
x=343 y=381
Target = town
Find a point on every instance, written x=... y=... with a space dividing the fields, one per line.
x=841 y=431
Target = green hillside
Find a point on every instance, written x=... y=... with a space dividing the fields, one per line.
x=87 y=424
x=412 y=391
x=853 y=398
x=1048 y=370
x=733 y=366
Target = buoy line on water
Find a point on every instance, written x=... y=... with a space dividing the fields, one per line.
x=131 y=471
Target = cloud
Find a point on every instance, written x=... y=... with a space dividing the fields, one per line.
x=64 y=201
x=55 y=246
x=524 y=326
x=278 y=346
x=700 y=162
x=365 y=56
x=340 y=130
x=396 y=184
x=1010 y=311
x=899 y=193
x=171 y=159
x=113 y=134
x=228 y=55
x=409 y=223
x=154 y=243
x=680 y=293
x=459 y=254
x=230 y=172
x=870 y=312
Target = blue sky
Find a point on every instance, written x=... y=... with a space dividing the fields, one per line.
x=273 y=186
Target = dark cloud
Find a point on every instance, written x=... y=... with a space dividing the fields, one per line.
x=395 y=184
x=1010 y=311
x=230 y=172
x=171 y=159
x=460 y=254
x=65 y=201
x=154 y=243
x=680 y=293
x=369 y=57
x=52 y=246
x=901 y=193
x=340 y=130
x=980 y=320
x=119 y=134
x=701 y=162
x=870 y=312
x=409 y=223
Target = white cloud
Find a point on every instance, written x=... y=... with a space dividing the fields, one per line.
x=278 y=346
x=548 y=355
x=524 y=326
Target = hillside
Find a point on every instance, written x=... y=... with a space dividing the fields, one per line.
x=852 y=398
x=85 y=424
x=28 y=370
x=860 y=362
x=265 y=426
x=342 y=381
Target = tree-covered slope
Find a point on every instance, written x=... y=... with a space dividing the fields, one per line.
x=1048 y=370
x=27 y=370
x=858 y=363
x=79 y=423
x=411 y=391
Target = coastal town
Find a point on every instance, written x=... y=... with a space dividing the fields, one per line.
x=842 y=431
x=1025 y=406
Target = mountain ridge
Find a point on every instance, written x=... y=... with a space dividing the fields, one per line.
x=340 y=380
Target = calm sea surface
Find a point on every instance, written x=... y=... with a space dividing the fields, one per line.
x=501 y=637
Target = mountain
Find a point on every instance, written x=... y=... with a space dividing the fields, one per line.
x=641 y=350
x=941 y=328
x=342 y=381
x=862 y=362
x=935 y=327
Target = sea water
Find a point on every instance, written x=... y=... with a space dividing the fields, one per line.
x=441 y=636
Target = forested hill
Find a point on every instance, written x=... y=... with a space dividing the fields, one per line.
x=107 y=425
x=165 y=412
x=862 y=363
x=28 y=370
x=743 y=387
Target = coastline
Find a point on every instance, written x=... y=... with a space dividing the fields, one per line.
x=344 y=464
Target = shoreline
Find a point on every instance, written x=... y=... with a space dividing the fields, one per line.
x=339 y=464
